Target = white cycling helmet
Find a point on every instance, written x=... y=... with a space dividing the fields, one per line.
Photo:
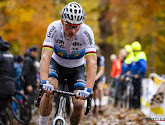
x=73 y=13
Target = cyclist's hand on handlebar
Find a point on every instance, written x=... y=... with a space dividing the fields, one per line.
x=48 y=88
x=83 y=94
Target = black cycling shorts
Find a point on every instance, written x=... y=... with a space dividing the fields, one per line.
x=101 y=79
x=75 y=76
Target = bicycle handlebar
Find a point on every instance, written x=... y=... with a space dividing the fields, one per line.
x=64 y=93
x=89 y=98
x=129 y=75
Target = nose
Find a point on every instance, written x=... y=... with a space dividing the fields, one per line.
x=73 y=30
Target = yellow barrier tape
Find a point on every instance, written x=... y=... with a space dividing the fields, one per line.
x=157 y=81
x=141 y=100
x=147 y=104
x=157 y=110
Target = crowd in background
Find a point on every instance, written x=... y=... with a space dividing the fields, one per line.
x=18 y=73
x=26 y=73
x=131 y=62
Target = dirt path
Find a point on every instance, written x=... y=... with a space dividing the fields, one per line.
x=110 y=116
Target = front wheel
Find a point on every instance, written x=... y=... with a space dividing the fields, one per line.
x=20 y=108
x=59 y=122
x=5 y=118
x=129 y=97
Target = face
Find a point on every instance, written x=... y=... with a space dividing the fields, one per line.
x=122 y=54
x=34 y=54
x=127 y=53
x=71 y=30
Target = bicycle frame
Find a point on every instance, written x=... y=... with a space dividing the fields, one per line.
x=129 y=93
x=60 y=111
x=129 y=86
x=60 y=114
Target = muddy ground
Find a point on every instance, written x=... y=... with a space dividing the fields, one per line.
x=109 y=116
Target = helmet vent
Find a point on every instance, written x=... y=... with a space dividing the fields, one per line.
x=78 y=17
x=71 y=17
x=68 y=15
x=75 y=11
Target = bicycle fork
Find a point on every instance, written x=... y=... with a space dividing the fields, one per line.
x=60 y=111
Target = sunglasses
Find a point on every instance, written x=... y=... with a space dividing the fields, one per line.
x=72 y=26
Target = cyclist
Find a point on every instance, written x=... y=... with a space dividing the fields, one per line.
x=7 y=87
x=100 y=79
x=67 y=42
x=138 y=70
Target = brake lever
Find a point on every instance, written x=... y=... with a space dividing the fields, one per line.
x=40 y=92
x=89 y=102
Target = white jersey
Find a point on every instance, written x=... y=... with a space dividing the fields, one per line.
x=69 y=52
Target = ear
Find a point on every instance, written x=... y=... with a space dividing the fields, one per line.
x=62 y=21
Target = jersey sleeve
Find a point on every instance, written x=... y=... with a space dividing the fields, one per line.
x=50 y=35
x=90 y=43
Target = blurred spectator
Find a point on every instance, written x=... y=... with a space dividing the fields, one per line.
x=138 y=70
x=122 y=54
x=29 y=73
x=126 y=64
x=115 y=73
x=140 y=63
x=127 y=58
x=122 y=57
x=7 y=87
x=17 y=72
x=116 y=66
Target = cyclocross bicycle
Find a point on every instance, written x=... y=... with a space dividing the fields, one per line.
x=60 y=113
x=128 y=93
x=19 y=108
x=5 y=117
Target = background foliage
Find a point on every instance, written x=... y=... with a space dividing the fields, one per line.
x=115 y=23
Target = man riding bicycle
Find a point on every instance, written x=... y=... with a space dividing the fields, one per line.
x=67 y=42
